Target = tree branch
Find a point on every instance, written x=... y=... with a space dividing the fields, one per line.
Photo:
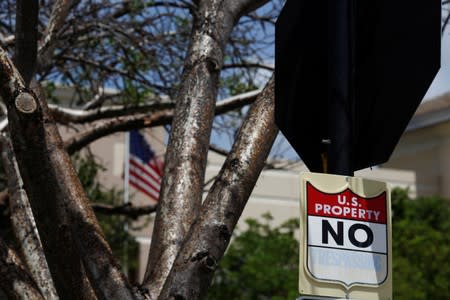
x=12 y=89
x=209 y=236
x=106 y=127
x=60 y=11
x=24 y=225
x=15 y=280
x=126 y=209
x=100 y=129
x=243 y=7
x=445 y=23
x=56 y=197
x=69 y=115
x=249 y=65
x=127 y=8
x=105 y=67
x=80 y=116
x=182 y=187
x=6 y=41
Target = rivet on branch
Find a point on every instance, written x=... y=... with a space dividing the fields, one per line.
x=26 y=103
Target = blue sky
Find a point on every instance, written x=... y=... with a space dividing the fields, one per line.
x=441 y=83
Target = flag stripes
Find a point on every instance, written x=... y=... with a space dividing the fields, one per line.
x=145 y=174
x=145 y=171
x=136 y=183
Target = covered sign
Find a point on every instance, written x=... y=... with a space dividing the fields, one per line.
x=345 y=237
x=368 y=69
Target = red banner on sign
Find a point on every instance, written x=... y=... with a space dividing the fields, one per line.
x=346 y=205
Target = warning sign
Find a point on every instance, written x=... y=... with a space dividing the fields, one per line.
x=345 y=236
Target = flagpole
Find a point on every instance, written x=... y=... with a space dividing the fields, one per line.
x=126 y=193
x=126 y=170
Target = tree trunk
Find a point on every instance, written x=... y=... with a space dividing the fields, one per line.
x=209 y=236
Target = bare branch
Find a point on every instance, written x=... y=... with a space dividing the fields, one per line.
x=209 y=236
x=106 y=127
x=242 y=7
x=56 y=197
x=109 y=69
x=70 y=115
x=3 y=124
x=126 y=7
x=249 y=65
x=15 y=280
x=6 y=41
x=125 y=118
x=126 y=210
x=274 y=165
x=24 y=225
x=237 y=101
x=139 y=47
x=99 y=98
x=11 y=87
x=445 y=24
x=61 y=9
x=10 y=78
x=125 y=123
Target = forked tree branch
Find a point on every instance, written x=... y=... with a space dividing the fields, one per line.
x=182 y=187
x=210 y=234
x=186 y=156
x=24 y=225
x=15 y=281
x=57 y=197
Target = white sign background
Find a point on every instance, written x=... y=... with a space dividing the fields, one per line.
x=345 y=237
x=347 y=261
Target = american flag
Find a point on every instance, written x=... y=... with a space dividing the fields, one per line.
x=145 y=168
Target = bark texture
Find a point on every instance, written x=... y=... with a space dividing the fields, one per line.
x=182 y=188
x=57 y=198
x=209 y=236
x=187 y=232
x=14 y=278
x=24 y=225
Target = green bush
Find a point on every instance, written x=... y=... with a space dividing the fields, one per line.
x=262 y=262
x=421 y=246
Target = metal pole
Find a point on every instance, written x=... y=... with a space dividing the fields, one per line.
x=126 y=193
x=340 y=89
x=126 y=168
